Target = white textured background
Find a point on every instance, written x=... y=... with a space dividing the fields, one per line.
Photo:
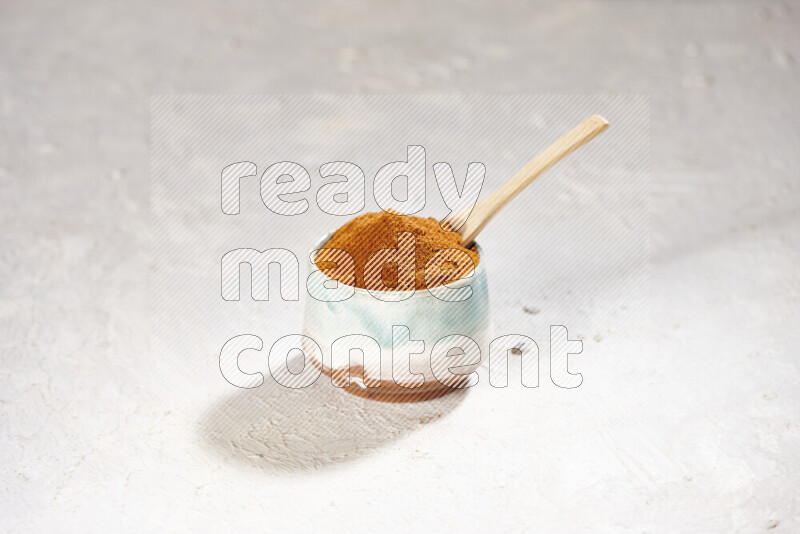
x=698 y=432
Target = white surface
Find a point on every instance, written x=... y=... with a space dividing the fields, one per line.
x=698 y=433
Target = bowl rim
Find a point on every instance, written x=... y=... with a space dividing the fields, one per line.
x=476 y=273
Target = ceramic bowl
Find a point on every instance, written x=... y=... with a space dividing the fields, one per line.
x=428 y=317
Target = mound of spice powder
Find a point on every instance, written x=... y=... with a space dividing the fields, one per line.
x=371 y=232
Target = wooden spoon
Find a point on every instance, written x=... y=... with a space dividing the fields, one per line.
x=484 y=210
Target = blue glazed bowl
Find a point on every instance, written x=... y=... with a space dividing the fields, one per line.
x=403 y=367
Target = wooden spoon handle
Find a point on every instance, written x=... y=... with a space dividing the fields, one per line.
x=483 y=211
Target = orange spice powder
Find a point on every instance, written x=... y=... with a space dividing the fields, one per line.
x=371 y=232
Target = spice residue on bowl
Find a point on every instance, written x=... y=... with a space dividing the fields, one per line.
x=368 y=233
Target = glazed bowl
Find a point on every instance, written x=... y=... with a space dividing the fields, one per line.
x=452 y=323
